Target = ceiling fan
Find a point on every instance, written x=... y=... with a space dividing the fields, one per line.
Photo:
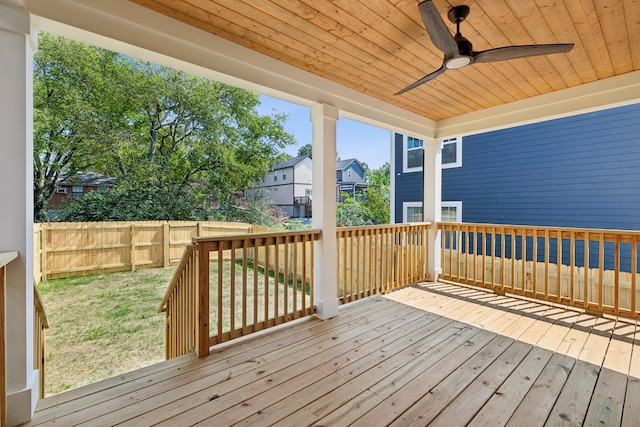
x=458 y=51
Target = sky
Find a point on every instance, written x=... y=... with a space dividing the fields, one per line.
x=366 y=143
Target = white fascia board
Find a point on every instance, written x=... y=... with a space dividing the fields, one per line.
x=598 y=95
x=125 y=27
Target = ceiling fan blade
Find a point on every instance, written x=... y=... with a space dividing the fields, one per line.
x=423 y=80
x=437 y=29
x=513 y=52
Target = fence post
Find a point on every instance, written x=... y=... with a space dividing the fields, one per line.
x=43 y=253
x=167 y=244
x=133 y=247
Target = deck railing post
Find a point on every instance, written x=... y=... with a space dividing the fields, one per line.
x=202 y=301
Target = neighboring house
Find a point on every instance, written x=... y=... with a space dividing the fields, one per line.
x=579 y=171
x=76 y=186
x=289 y=186
x=350 y=178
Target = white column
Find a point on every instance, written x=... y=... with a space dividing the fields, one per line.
x=325 y=261
x=432 y=203
x=17 y=43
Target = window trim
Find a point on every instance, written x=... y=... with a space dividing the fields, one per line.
x=448 y=204
x=458 y=163
x=457 y=205
x=405 y=157
x=405 y=209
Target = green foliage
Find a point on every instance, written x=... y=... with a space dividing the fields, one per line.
x=377 y=196
x=305 y=150
x=351 y=214
x=146 y=125
x=254 y=208
x=294 y=224
x=141 y=204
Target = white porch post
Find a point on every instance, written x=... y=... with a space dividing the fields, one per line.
x=432 y=203
x=17 y=43
x=325 y=261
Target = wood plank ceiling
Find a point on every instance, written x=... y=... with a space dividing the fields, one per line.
x=378 y=47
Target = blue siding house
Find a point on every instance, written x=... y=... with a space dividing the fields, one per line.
x=579 y=171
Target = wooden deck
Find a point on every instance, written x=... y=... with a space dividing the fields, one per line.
x=431 y=354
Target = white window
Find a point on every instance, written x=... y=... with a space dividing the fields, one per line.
x=451 y=212
x=62 y=190
x=452 y=153
x=413 y=153
x=284 y=174
x=412 y=212
x=275 y=175
x=307 y=192
x=102 y=189
x=349 y=174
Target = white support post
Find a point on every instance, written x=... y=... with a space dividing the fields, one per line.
x=17 y=44
x=432 y=203
x=325 y=272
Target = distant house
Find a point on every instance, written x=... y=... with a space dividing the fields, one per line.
x=76 y=186
x=578 y=171
x=350 y=178
x=289 y=186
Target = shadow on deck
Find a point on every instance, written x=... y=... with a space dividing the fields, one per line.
x=432 y=353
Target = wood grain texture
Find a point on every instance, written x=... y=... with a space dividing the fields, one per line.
x=378 y=47
x=436 y=354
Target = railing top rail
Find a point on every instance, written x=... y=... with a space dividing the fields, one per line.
x=230 y=237
x=7 y=257
x=37 y=300
x=384 y=227
x=176 y=276
x=542 y=227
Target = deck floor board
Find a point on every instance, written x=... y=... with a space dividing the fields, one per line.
x=429 y=354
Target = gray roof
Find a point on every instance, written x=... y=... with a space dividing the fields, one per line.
x=342 y=164
x=291 y=162
x=88 y=178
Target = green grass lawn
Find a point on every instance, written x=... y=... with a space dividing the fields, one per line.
x=102 y=325
x=105 y=325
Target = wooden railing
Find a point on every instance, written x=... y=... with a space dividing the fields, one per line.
x=179 y=305
x=40 y=323
x=5 y=258
x=593 y=269
x=255 y=281
x=377 y=259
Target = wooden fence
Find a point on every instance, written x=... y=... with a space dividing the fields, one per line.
x=596 y=270
x=74 y=249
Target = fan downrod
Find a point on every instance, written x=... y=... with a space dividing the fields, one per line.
x=457 y=14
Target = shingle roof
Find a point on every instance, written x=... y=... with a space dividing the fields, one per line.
x=88 y=178
x=291 y=162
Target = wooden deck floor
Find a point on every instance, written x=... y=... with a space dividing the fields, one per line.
x=431 y=354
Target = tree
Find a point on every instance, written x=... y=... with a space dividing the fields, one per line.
x=377 y=195
x=305 y=150
x=74 y=113
x=146 y=125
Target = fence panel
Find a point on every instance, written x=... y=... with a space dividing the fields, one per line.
x=73 y=249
